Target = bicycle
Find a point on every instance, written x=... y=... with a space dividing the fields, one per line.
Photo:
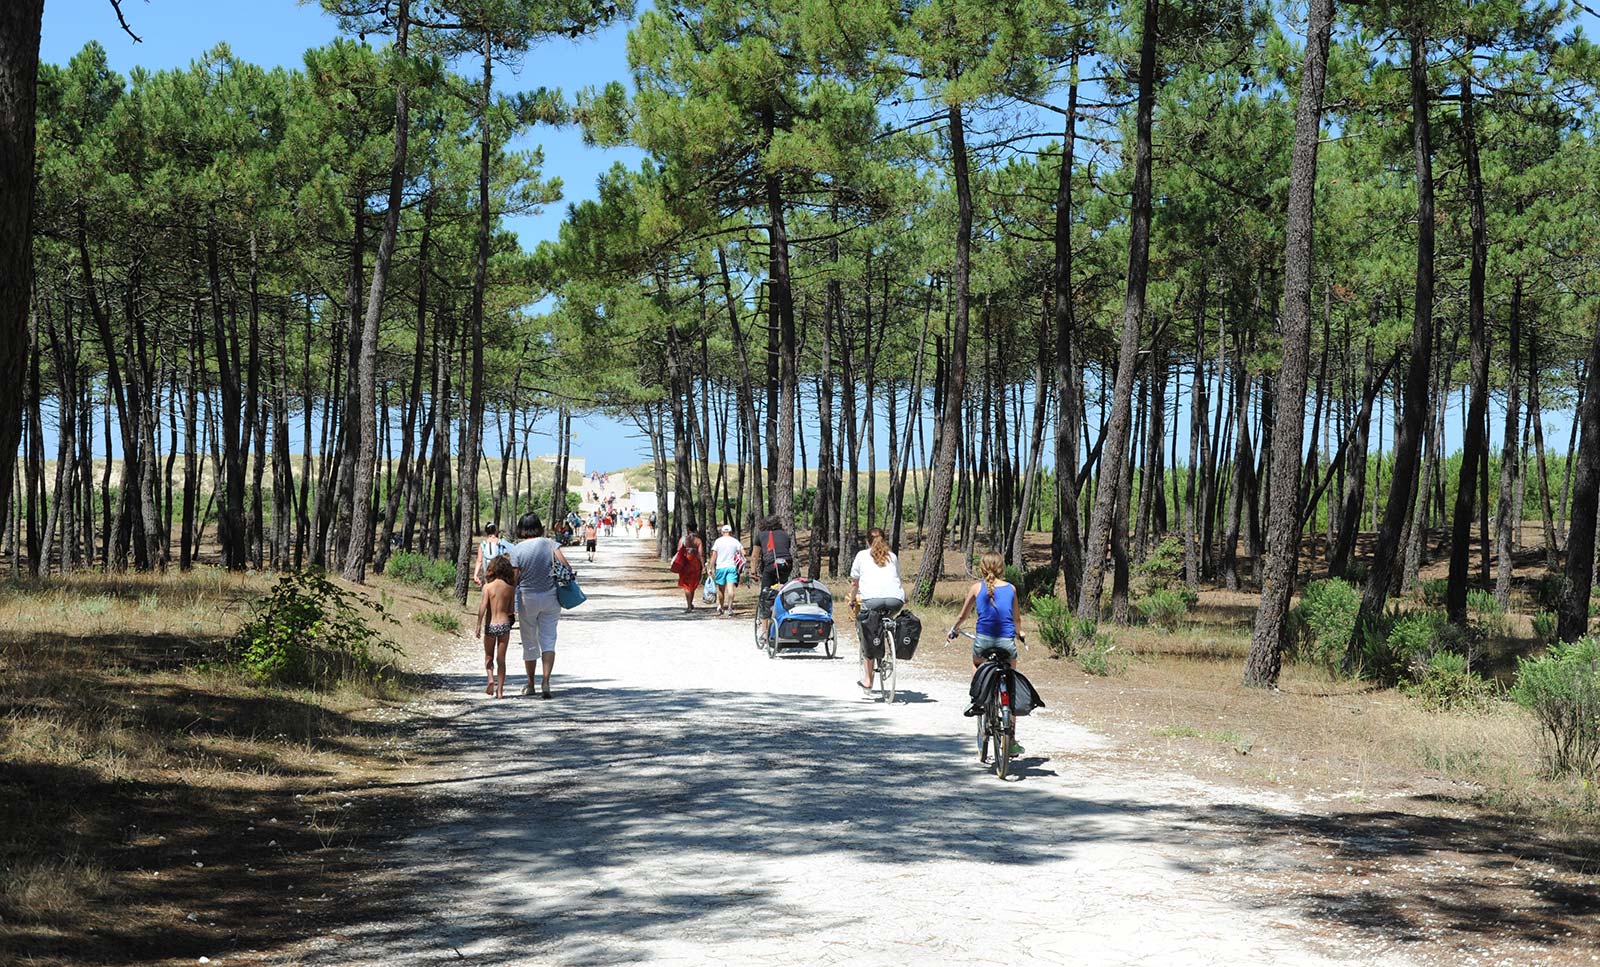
x=997 y=724
x=883 y=666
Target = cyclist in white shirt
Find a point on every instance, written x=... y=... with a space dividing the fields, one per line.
x=875 y=586
x=727 y=556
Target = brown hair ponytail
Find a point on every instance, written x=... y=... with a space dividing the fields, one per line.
x=992 y=569
x=879 y=545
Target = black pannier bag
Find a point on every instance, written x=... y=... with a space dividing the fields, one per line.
x=768 y=595
x=870 y=627
x=907 y=632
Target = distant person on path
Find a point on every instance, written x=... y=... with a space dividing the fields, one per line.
x=774 y=552
x=495 y=611
x=999 y=621
x=536 y=598
x=489 y=548
x=694 y=566
x=874 y=586
x=727 y=555
x=591 y=537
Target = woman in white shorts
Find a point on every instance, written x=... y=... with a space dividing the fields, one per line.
x=537 y=607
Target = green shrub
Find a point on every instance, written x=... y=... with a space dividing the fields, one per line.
x=1434 y=591
x=1415 y=637
x=1165 y=608
x=1161 y=568
x=439 y=621
x=1483 y=602
x=1544 y=627
x=1099 y=657
x=1400 y=647
x=1055 y=622
x=1325 y=620
x=1037 y=582
x=310 y=631
x=1447 y=684
x=1562 y=691
x=422 y=571
x=1548 y=590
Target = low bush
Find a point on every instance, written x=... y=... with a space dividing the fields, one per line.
x=1055 y=622
x=1099 y=657
x=1063 y=632
x=423 y=571
x=1548 y=590
x=1544 y=627
x=310 y=631
x=1491 y=618
x=1165 y=608
x=1448 y=684
x=1434 y=591
x=1037 y=582
x=1562 y=691
x=1161 y=568
x=1324 y=621
x=1399 y=648
x=439 y=621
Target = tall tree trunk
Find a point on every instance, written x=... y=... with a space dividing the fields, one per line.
x=1573 y=619
x=1408 y=442
x=355 y=558
x=1509 y=521
x=1115 y=447
x=1066 y=546
x=467 y=460
x=19 y=72
x=1283 y=519
x=1476 y=444
x=937 y=513
x=1546 y=510
x=788 y=350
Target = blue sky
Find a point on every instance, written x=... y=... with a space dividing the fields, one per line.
x=277 y=32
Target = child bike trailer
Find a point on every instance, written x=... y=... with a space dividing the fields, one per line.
x=802 y=618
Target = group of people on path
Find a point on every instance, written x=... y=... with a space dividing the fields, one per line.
x=723 y=566
x=875 y=585
x=519 y=588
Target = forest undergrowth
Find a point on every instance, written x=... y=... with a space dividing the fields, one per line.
x=160 y=796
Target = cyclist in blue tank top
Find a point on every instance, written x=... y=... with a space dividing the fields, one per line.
x=999 y=621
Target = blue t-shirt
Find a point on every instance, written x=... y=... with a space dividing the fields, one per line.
x=994 y=620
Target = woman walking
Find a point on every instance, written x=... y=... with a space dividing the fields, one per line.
x=537 y=607
x=692 y=566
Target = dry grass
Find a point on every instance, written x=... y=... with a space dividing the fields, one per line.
x=157 y=803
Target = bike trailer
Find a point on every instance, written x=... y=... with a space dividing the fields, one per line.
x=907 y=633
x=802 y=615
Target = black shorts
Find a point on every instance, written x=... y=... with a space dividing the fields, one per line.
x=776 y=573
x=588 y=545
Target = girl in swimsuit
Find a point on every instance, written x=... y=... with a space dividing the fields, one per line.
x=495 y=608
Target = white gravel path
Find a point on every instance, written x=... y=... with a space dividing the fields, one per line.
x=686 y=800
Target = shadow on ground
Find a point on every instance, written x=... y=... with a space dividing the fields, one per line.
x=722 y=783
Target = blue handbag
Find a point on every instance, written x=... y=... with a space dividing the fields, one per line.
x=569 y=595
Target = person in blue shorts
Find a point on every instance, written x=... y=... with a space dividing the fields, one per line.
x=727 y=558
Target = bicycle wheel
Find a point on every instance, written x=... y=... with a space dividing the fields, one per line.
x=1004 y=733
x=831 y=647
x=886 y=672
x=983 y=736
x=755 y=629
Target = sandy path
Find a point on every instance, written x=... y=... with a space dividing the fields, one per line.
x=686 y=800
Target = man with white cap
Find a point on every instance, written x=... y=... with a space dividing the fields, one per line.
x=727 y=557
